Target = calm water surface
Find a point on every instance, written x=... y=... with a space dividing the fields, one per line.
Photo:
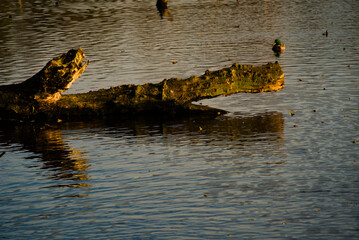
x=257 y=173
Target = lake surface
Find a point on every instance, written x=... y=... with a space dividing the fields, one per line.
x=281 y=165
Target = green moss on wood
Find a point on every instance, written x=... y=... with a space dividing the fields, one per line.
x=237 y=78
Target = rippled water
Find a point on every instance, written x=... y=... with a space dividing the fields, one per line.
x=258 y=173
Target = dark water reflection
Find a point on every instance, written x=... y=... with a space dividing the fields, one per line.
x=47 y=144
x=62 y=162
x=137 y=167
x=259 y=173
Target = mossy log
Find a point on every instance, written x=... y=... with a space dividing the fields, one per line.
x=40 y=96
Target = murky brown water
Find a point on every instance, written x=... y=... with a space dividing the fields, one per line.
x=258 y=173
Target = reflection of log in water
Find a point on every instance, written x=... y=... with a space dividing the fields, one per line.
x=221 y=128
x=61 y=160
x=236 y=127
x=67 y=163
x=264 y=129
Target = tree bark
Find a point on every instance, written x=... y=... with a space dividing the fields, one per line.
x=40 y=96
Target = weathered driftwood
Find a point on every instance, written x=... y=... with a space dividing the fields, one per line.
x=40 y=96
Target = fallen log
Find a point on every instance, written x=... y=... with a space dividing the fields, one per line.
x=40 y=96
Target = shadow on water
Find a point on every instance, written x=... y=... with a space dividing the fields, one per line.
x=63 y=162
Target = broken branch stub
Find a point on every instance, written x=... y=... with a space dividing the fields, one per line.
x=57 y=76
